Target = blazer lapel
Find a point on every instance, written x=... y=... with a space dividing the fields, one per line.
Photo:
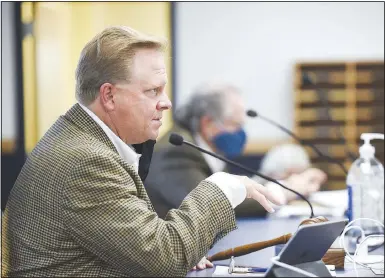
x=141 y=191
x=80 y=118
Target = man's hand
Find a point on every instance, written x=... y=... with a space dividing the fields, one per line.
x=260 y=193
x=315 y=176
x=307 y=182
x=203 y=263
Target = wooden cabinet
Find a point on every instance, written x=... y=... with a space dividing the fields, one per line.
x=334 y=104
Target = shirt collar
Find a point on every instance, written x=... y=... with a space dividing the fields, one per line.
x=215 y=164
x=124 y=150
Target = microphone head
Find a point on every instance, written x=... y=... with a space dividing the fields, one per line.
x=176 y=139
x=252 y=113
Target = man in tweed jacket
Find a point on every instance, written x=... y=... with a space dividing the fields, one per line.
x=79 y=207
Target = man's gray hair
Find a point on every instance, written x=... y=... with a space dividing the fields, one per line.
x=108 y=58
x=209 y=99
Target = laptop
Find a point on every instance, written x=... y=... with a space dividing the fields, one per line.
x=306 y=248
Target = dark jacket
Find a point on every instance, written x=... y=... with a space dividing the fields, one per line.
x=177 y=170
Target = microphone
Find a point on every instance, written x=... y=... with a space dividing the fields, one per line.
x=177 y=140
x=254 y=114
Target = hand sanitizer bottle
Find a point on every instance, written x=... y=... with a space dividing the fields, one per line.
x=365 y=183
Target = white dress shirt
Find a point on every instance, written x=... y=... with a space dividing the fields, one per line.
x=234 y=190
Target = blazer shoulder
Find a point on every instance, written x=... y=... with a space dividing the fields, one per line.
x=64 y=145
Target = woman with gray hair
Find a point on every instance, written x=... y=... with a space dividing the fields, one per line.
x=290 y=163
x=283 y=160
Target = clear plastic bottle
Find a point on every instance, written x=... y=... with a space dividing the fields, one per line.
x=365 y=182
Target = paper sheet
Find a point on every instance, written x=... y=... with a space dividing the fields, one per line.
x=331 y=199
x=326 y=203
x=223 y=271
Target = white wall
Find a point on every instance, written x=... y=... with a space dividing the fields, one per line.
x=8 y=89
x=255 y=46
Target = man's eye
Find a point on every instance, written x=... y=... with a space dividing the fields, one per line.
x=153 y=92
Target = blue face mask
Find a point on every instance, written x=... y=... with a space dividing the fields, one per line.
x=230 y=143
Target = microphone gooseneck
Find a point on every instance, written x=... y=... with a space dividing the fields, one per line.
x=253 y=114
x=177 y=140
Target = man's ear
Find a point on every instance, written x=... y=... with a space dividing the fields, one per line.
x=107 y=94
x=207 y=127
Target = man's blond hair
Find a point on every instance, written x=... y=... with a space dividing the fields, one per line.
x=108 y=58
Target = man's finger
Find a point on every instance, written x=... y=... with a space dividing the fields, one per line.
x=268 y=194
x=209 y=264
x=262 y=200
x=201 y=266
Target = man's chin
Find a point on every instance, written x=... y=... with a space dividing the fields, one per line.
x=154 y=135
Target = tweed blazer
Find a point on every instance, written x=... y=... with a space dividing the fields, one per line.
x=78 y=209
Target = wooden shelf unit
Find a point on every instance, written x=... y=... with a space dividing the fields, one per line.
x=334 y=99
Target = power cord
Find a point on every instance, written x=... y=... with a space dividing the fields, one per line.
x=355 y=254
x=342 y=244
x=353 y=259
x=372 y=247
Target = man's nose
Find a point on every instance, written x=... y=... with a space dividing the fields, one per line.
x=164 y=103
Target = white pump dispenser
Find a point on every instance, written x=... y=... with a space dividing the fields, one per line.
x=367 y=150
x=365 y=183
